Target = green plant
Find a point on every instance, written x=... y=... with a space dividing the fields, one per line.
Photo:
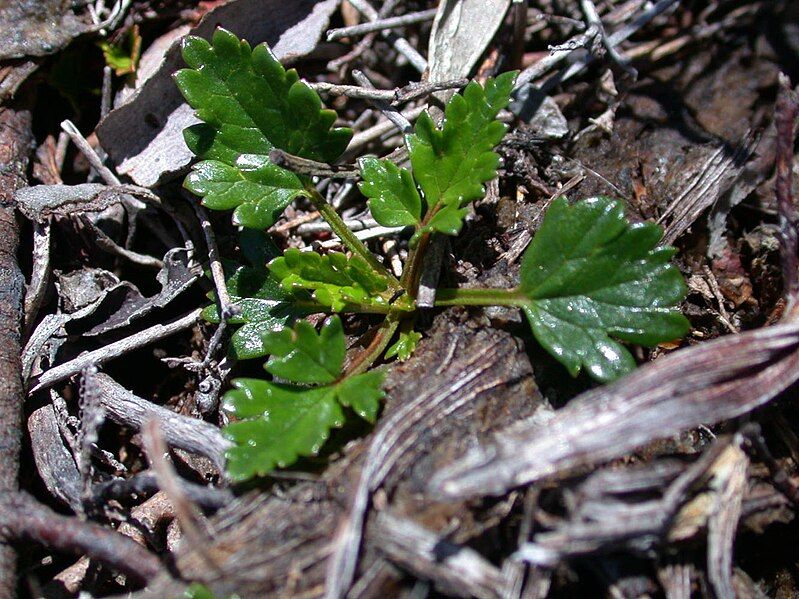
x=588 y=280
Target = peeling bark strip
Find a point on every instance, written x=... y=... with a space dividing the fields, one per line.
x=704 y=384
x=22 y=518
x=461 y=571
x=15 y=143
x=480 y=365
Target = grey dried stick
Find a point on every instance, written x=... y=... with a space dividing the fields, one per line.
x=362 y=138
x=183 y=432
x=461 y=571
x=382 y=24
x=704 y=384
x=391 y=113
x=400 y=43
x=114 y=350
x=474 y=373
x=77 y=138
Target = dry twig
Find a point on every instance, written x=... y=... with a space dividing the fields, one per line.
x=400 y=43
x=23 y=519
x=183 y=432
x=382 y=24
x=15 y=143
x=705 y=384
x=114 y=350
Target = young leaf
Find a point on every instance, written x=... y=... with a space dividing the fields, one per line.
x=335 y=279
x=452 y=163
x=250 y=105
x=362 y=393
x=404 y=346
x=588 y=276
x=123 y=56
x=302 y=356
x=261 y=303
x=394 y=199
x=278 y=422
x=282 y=422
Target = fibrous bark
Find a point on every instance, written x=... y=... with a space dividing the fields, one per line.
x=15 y=144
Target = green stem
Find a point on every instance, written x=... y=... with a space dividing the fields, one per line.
x=480 y=296
x=413 y=264
x=373 y=351
x=340 y=228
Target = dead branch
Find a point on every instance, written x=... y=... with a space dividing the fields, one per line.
x=400 y=43
x=468 y=377
x=192 y=523
x=729 y=486
x=459 y=571
x=360 y=139
x=786 y=111
x=180 y=431
x=24 y=519
x=15 y=143
x=716 y=176
x=412 y=91
x=390 y=112
x=146 y=483
x=114 y=350
x=382 y=24
x=305 y=166
x=704 y=384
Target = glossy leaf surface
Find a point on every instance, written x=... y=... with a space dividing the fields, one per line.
x=335 y=279
x=250 y=105
x=591 y=278
x=362 y=393
x=278 y=422
x=452 y=163
x=394 y=200
x=261 y=303
x=300 y=355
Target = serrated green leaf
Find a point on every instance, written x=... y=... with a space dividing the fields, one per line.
x=589 y=275
x=256 y=196
x=280 y=423
x=261 y=305
x=363 y=393
x=335 y=279
x=394 y=200
x=452 y=163
x=250 y=105
x=303 y=356
x=404 y=347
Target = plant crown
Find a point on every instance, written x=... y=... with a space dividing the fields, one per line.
x=589 y=279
